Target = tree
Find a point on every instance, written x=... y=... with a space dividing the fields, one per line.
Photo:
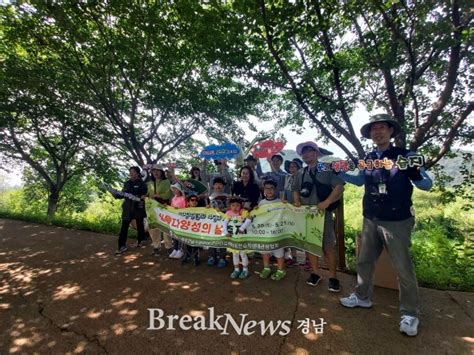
x=144 y=70
x=409 y=59
x=44 y=121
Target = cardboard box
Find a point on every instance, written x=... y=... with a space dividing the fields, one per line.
x=384 y=275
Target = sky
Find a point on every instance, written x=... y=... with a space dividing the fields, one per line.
x=360 y=117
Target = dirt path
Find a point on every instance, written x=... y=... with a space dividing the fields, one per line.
x=63 y=291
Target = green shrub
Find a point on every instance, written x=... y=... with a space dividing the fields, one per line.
x=442 y=242
x=443 y=239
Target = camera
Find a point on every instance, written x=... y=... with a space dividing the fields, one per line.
x=306 y=189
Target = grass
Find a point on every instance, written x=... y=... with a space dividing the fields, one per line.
x=442 y=241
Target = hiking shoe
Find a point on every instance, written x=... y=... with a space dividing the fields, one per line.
x=314 y=280
x=121 y=250
x=265 y=273
x=235 y=274
x=409 y=325
x=334 y=285
x=290 y=262
x=211 y=261
x=244 y=274
x=278 y=275
x=353 y=301
x=222 y=263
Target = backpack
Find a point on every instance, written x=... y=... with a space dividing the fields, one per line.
x=322 y=190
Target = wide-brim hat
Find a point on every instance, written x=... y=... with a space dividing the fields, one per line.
x=297 y=161
x=319 y=151
x=177 y=186
x=381 y=117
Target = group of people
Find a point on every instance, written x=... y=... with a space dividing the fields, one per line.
x=388 y=215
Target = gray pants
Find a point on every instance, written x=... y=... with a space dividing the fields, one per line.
x=396 y=237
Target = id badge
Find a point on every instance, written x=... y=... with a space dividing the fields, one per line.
x=382 y=189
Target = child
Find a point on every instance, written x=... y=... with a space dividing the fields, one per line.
x=178 y=201
x=192 y=252
x=269 y=191
x=237 y=219
x=218 y=200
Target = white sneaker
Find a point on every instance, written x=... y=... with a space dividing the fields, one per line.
x=179 y=254
x=353 y=301
x=409 y=325
x=172 y=255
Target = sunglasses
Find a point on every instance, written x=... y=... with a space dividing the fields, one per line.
x=193 y=200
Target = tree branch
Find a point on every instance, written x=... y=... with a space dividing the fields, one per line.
x=446 y=146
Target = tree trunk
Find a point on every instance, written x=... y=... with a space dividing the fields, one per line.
x=53 y=200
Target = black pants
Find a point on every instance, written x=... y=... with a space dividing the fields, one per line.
x=122 y=241
x=177 y=244
x=192 y=252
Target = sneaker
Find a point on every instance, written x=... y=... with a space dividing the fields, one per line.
x=172 y=255
x=265 y=273
x=235 y=274
x=334 y=285
x=409 y=325
x=244 y=274
x=211 y=261
x=278 y=275
x=290 y=262
x=307 y=266
x=222 y=263
x=179 y=254
x=353 y=301
x=140 y=245
x=314 y=280
x=121 y=251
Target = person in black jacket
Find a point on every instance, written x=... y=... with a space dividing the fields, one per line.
x=132 y=209
x=246 y=188
x=388 y=219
